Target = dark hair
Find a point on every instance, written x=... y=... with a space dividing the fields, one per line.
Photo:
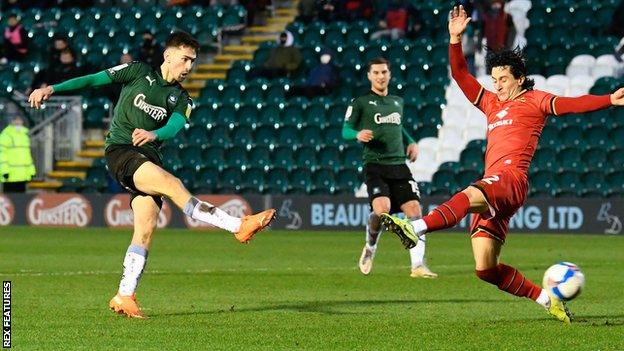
x=516 y=61
x=378 y=61
x=177 y=39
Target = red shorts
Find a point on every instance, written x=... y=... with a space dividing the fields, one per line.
x=505 y=192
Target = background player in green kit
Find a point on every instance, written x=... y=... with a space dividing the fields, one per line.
x=152 y=107
x=375 y=120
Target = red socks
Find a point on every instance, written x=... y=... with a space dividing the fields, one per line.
x=510 y=280
x=448 y=214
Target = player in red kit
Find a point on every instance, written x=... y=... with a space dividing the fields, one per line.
x=515 y=115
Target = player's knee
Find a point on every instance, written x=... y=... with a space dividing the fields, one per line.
x=489 y=275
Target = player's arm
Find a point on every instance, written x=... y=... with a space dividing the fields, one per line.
x=560 y=105
x=175 y=123
x=458 y=20
x=352 y=117
x=89 y=81
x=412 y=148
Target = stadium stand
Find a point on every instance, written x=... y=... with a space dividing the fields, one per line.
x=247 y=136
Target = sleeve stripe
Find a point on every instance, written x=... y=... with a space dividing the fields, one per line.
x=552 y=105
x=479 y=97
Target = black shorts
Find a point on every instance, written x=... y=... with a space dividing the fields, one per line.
x=393 y=181
x=123 y=160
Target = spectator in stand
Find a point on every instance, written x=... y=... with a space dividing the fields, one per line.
x=355 y=10
x=395 y=20
x=616 y=28
x=16 y=163
x=66 y=70
x=498 y=27
x=15 y=41
x=253 y=7
x=320 y=81
x=283 y=60
x=307 y=11
x=150 y=51
x=59 y=44
x=328 y=10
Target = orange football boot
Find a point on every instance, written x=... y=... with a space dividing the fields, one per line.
x=126 y=305
x=252 y=224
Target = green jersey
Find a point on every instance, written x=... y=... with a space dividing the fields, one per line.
x=382 y=115
x=146 y=102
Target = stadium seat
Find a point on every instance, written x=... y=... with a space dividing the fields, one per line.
x=192 y=158
x=242 y=135
x=347 y=181
x=301 y=179
x=324 y=181
x=305 y=157
x=236 y=157
x=214 y=157
x=277 y=181
x=544 y=181
x=253 y=180
x=288 y=136
x=282 y=157
x=265 y=136
x=259 y=157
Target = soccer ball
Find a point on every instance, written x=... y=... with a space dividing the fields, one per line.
x=564 y=280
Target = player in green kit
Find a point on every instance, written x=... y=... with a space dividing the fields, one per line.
x=375 y=119
x=152 y=107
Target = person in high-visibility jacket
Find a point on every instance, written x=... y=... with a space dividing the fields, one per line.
x=16 y=163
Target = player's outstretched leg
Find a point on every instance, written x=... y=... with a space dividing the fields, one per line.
x=402 y=228
x=373 y=231
x=152 y=179
x=444 y=216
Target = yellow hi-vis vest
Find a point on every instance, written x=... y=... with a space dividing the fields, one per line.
x=15 y=158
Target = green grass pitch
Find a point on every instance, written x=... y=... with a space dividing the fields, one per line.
x=299 y=291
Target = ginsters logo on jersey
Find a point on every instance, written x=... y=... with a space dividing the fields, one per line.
x=156 y=112
x=118 y=213
x=70 y=210
x=7 y=210
x=394 y=118
x=234 y=205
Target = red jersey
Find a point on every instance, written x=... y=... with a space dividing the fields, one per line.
x=514 y=126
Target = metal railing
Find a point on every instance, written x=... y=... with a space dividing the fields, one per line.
x=56 y=131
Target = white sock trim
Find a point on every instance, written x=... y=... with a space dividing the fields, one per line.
x=543 y=299
x=133 y=269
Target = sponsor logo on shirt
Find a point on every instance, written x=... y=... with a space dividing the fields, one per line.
x=374 y=103
x=172 y=99
x=150 y=80
x=349 y=112
x=503 y=122
x=156 y=112
x=394 y=118
x=113 y=70
x=503 y=113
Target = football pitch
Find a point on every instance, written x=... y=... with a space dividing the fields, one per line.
x=299 y=290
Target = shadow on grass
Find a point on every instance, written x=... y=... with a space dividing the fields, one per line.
x=600 y=321
x=325 y=307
